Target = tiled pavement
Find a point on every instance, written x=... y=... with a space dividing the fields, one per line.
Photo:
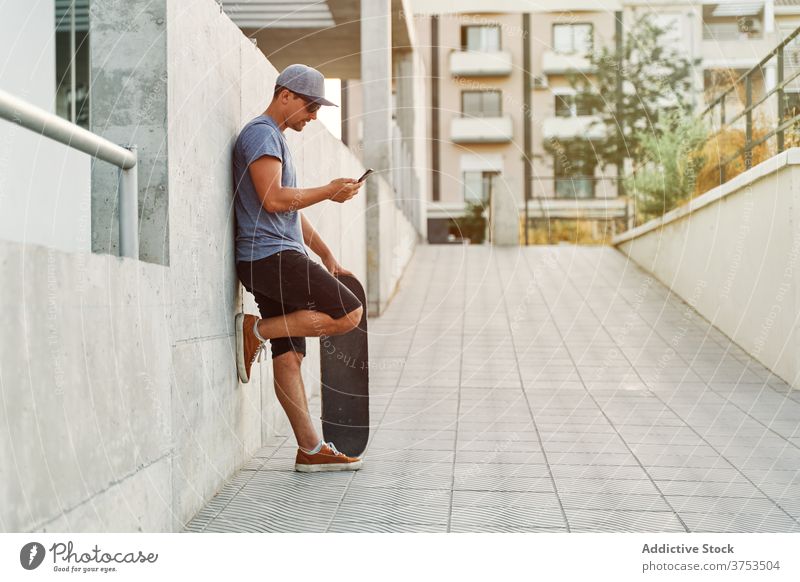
x=543 y=389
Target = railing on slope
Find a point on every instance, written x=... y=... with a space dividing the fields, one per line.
x=789 y=50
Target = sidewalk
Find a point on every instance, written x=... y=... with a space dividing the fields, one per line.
x=543 y=389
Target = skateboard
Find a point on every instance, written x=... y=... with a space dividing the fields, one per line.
x=344 y=370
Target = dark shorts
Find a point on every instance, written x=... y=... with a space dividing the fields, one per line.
x=289 y=280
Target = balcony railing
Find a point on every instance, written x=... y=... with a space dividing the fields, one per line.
x=730 y=31
x=583 y=126
x=554 y=63
x=576 y=187
x=480 y=64
x=575 y=198
x=481 y=129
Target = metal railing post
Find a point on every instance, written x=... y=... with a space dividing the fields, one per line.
x=129 y=210
x=780 y=98
x=721 y=129
x=748 y=128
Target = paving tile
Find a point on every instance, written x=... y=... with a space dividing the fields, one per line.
x=382 y=467
x=243 y=515
x=602 y=486
x=388 y=495
x=613 y=501
x=384 y=527
x=733 y=523
x=503 y=456
x=759 y=505
x=393 y=513
x=501 y=518
x=597 y=472
x=465 y=470
x=533 y=499
x=408 y=481
x=597 y=520
x=708 y=489
x=502 y=483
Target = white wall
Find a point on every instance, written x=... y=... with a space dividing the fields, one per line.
x=733 y=253
x=44 y=186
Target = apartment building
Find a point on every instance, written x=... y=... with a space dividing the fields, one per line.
x=479 y=95
x=486 y=114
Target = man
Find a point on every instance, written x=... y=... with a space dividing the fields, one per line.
x=296 y=296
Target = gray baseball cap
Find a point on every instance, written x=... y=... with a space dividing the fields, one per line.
x=305 y=81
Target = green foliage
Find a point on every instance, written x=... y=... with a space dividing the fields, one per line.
x=655 y=80
x=471 y=225
x=674 y=150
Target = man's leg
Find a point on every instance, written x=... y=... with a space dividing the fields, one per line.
x=308 y=323
x=292 y=396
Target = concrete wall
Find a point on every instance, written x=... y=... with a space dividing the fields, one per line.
x=732 y=253
x=129 y=106
x=48 y=207
x=85 y=375
x=148 y=419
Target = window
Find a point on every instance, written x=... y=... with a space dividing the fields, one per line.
x=574 y=179
x=72 y=68
x=485 y=39
x=572 y=38
x=480 y=104
x=571 y=105
x=478 y=186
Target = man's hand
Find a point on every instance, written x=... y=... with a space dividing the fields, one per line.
x=344 y=189
x=333 y=266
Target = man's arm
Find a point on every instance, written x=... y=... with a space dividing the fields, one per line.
x=266 y=175
x=313 y=240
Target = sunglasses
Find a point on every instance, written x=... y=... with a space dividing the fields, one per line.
x=311 y=106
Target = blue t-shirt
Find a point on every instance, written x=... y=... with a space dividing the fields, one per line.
x=260 y=233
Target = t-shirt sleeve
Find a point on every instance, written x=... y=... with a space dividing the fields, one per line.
x=260 y=140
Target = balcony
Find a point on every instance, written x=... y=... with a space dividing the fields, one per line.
x=583 y=126
x=480 y=64
x=554 y=63
x=481 y=129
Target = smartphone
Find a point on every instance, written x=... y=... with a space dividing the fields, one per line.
x=365 y=174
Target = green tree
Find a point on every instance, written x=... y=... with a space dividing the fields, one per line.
x=472 y=225
x=673 y=149
x=656 y=78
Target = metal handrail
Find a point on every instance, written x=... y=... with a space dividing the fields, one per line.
x=125 y=158
x=751 y=105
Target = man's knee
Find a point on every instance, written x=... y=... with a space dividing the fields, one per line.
x=349 y=321
x=288 y=361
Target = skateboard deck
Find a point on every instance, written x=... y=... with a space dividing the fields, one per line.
x=344 y=370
